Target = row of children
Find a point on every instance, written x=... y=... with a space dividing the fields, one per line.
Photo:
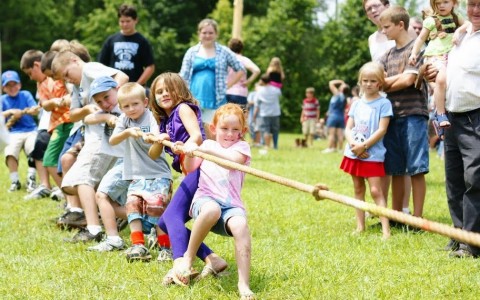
x=113 y=161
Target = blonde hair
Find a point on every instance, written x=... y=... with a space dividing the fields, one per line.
x=275 y=65
x=62 y=60
x=230 y=109
x=372 y=68
x=59 y=44
x=206 y=22
x=310 y=90
x=396 y=14
x=177 y=89
x=131 y=90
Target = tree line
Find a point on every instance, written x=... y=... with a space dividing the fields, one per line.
x=312 y=54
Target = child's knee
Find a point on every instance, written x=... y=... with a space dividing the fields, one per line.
x=210 y=209
x=238 y=226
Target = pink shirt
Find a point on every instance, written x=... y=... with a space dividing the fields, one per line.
x=219 y=183
x=239 y=88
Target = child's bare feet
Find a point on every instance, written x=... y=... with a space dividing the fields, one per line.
x=245 y=292
x=386 y=236
x=214 y=265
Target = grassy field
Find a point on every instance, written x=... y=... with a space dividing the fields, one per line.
x=302 y=249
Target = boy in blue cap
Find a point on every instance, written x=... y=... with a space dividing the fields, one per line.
x=18 y=106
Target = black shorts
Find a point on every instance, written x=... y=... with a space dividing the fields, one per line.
x=41 y=143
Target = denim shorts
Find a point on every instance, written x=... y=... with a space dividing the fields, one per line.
x=240 y=100
x=227 y=212
x=76 y=137
x=336 y=121
x=407 y=146
x=113 y=185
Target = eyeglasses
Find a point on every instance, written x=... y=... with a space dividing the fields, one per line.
x=473 y=5
x=372 y=7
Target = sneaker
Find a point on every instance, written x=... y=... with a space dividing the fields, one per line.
x=106 y=246
x=31 y=184
x=462 y=252
x=165 y=254
x=328 y=150
x=15 y=186
x=72 y=219
x=57 y=194
x=138 y=253
x=40 y=192
x=84 y=236
x=151 y=240
x=452 y=245
x=121 y=224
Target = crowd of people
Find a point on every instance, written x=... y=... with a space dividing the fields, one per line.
x=101 y=133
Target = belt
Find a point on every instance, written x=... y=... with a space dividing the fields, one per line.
x=464 y=114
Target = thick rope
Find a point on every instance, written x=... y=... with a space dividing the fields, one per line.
x=12 y=120
x=320 y=191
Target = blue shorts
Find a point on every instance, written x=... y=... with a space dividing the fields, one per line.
x=227 y=212
x=236 y=99
x=336 y=121
x=72 y=140
x=113 y=185
x=406 y=141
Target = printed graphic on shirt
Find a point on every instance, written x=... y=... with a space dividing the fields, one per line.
x=124 y=53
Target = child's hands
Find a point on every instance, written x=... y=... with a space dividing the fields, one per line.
x=359 y=150
x=134 y=132
x=412 y=59
x=112 y=121
x=189 y=147
x=34 y=110
x=92 y=108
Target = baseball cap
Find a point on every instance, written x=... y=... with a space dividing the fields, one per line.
x=102 y=84
x=8 y=76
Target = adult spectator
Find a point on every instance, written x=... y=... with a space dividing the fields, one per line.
x=239 y=91
x=128 y=50
x=335 y=115
x=205 y=69
x=462 y=141
x=377 y=41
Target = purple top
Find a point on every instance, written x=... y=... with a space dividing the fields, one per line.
x=177 y=132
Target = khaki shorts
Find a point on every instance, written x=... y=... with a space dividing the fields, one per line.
x=308 y=126
x=19 y=141
x=89 y=168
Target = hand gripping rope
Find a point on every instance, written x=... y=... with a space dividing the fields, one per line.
x=320 y=192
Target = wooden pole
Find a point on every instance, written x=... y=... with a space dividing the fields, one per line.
x=237 y=19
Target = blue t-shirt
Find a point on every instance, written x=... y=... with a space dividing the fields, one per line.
x=21 y=101
x=366 y=116
x=336 y=107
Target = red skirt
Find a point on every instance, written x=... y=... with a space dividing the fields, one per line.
x=360 y=168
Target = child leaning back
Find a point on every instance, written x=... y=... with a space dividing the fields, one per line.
x=217 y=205
x=365 y=153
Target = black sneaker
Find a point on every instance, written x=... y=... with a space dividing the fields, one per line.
x=452 y=245
x=72 y=219
x=15 y=186
x=462 y=252
x=84 y=236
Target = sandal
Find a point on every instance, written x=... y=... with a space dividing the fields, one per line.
x=210 y=271
x=184 y=277
x=168 y=278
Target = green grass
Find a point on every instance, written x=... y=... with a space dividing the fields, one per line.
x=302 y=249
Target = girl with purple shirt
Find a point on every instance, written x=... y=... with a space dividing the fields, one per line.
x=179 y=117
